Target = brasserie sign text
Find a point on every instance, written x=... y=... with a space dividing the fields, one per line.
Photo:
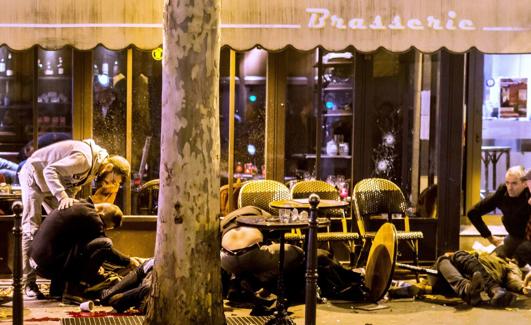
x=322 y=18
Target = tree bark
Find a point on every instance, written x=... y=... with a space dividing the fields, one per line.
x=187 y=278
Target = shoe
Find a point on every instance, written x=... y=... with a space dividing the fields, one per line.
x=57 y=288
x=73 y=294
x=473 y=292
x=502 y=298
x=5 y=299
x=32 y=291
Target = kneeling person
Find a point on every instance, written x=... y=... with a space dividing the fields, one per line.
x=71 y=245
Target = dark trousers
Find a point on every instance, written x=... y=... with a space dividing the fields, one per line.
x=132 y=290
x=516 y=247
x=82 y=264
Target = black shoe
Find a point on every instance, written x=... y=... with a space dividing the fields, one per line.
x=5 y=299
x=32 y=291
x=57 y=287
x=473 y=292
x=73 y=294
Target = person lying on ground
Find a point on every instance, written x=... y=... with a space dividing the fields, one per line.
x=132 y=291
x=70 y=247
x=469 y=274
x=253 y=265
x=246 y=255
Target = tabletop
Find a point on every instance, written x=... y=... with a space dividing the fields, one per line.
x=10 y=196
x=273 y=223
x=303 y=204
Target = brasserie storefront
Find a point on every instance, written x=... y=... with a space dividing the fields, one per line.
x=338 y=90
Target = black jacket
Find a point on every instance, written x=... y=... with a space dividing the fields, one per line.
x=516 y=212
x=64 y=230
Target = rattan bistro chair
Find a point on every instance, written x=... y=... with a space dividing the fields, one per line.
x=325 y=191
x=148 y=197
x=224 y=205
x=260 y=193
x=377 y=196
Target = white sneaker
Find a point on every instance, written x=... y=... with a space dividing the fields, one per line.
x=32 y=291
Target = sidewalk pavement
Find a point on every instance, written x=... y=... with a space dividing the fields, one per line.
x=406 y=311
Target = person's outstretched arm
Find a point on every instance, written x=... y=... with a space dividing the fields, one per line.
x=476 y=216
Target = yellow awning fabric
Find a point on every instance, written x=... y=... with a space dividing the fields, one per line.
x=492 y=26
x=82 y=24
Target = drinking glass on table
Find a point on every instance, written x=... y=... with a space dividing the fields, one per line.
x=284 y=215
x=343 y=189
x=331 y=179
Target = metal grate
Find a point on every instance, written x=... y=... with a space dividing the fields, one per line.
x=248 y=320
x=121 y=320
x=137 y=320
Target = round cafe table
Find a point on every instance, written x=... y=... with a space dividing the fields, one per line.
x=273 y=223
x=313 y=204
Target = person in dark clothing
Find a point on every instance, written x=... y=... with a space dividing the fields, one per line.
x=512 y=199
x=528 y=227
x=71 y=245
x=468 y=274
x=132 y=290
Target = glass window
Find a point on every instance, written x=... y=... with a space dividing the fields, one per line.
x=249 y=120
x=145 y=159
x=110 y=93
x=249 y=130
x=16 y=109
x=54 y=92
x=506 y=115
x=109 y=104
x=427 y=170
x=224 y=79
x=300 y=114
x=147 y=96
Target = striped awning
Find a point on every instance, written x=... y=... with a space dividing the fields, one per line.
x=492 y=26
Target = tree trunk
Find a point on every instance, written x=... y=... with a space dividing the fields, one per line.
x=187 y=278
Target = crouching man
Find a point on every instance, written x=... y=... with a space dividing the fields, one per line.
x=71 y=245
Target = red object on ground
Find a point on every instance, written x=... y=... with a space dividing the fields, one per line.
x=79 y=314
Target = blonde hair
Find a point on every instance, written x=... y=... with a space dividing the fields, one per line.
x=120 y=165
x=518 y=171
